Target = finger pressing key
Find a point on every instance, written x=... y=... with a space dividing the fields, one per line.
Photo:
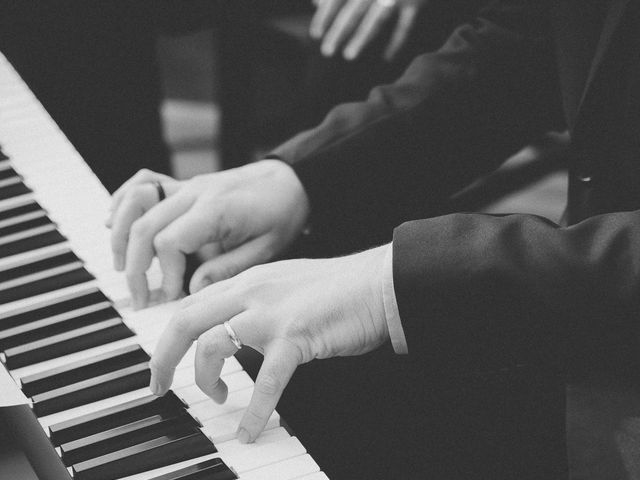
x=133 y=206
x=140 y=245
x=213 y=347
x=280 y=361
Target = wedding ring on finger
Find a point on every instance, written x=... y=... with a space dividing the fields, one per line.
x=161 y=193
x=232 y=335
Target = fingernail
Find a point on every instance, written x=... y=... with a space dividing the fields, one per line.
x=154 y=386
x=327 y=51
x=349 y=54
x=243 y=436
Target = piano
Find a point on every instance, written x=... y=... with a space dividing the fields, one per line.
x=75 y=354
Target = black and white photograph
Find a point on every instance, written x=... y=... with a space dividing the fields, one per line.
x=320 y=239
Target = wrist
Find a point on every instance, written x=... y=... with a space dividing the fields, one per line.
x=285 y=179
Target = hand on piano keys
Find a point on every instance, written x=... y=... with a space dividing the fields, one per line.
x=248 y=215
x=69 y=338
x=292 y=311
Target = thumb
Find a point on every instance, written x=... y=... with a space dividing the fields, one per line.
x=231 y=263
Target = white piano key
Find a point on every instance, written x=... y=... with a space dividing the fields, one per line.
x=32 y=232
x=90 y=353
x=14 y=202
x=267 y=436
x=42 y=300
x=25 y=217
x=51 y=272
x=192 y=395
x=204 y=411
x=223 y=428
x=256 y=455
x=286 y=470
x=34 y=255
x=61 y=316
x=315 y=476
x=10 y=181
x=250 y=457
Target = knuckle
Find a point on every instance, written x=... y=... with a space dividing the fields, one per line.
x=269 y=385
x=163 y=242
x=253 y=417
x=223 y=271
x=186 y=302
x=136 y=194
x=144 y=173
x=180 y=325
x=208 y=345
x=139 y=229
x=294 y=331
x=197 y=181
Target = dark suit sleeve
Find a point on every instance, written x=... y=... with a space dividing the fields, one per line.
x=454 y=114
x=479 y=291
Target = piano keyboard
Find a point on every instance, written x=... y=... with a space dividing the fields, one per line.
x=70 y=340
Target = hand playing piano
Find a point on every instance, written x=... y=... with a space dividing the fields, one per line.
x=291 y=311
x=246 y=215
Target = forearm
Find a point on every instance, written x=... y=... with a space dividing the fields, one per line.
x=454 y=114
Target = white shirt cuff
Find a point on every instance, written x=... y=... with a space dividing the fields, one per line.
x=396 y=332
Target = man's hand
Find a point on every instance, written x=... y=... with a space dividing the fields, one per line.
x=246 y=215
x=292 y=311
x=351 y=25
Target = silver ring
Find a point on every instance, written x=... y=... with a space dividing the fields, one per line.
x=232 y=335
x=386 y=3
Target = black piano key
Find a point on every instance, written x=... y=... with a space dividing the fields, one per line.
x=3 y=156
x=48 y=327
x=156 y=453
x=13 y=190
x=8 y=173
x=57 y=308
x=83 y=369
x=127 y=436
x=116 y=416
x=31 y=243
x=91 y=390
x=38 y=266
x=213 y=469
x=44 y=285
x=22 y=226
x=65 y=343
x=21 y=210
